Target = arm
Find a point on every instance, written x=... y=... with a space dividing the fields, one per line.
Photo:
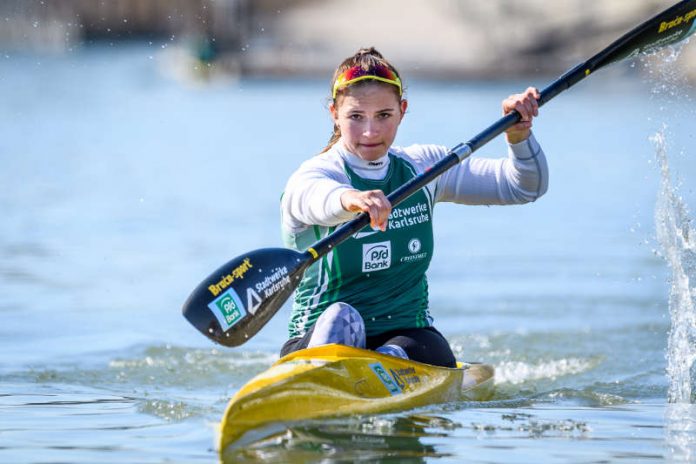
x=313 y=197
x=521 y=178
x=319 y=193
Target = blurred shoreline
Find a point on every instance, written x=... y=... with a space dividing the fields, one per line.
x=439 y=39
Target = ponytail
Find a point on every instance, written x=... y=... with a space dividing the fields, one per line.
x=335 y=136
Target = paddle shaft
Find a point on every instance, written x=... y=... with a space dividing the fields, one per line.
x=455 y=156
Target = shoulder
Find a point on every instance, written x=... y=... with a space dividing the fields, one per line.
x=327 y=164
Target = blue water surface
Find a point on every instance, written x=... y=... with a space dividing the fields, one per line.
x=122 y=185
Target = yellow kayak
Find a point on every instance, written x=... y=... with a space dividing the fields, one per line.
x=338 y=380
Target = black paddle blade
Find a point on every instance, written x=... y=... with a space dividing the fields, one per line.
x=670 y=26
x=237 y=300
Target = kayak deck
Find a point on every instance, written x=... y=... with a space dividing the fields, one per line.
x=338 y=380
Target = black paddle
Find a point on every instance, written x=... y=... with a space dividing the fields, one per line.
x=237 y=300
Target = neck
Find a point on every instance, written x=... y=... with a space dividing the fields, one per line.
x=370 y=169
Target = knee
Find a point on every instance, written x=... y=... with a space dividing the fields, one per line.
x=339 y=323
x=341 y=310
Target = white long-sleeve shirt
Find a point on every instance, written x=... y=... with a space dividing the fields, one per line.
x=313 y=193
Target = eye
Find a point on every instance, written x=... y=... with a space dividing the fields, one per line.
x=384 y=115
x=355 y=116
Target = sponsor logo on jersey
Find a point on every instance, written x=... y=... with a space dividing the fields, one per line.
x=409 y=216
x=376 y=256
x=228 y=309
x=414 y=245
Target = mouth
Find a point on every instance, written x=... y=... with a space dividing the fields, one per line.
x=371 y=145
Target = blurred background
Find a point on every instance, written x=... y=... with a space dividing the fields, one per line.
x=440 y=38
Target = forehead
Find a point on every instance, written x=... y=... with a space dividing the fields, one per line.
x=369 y=95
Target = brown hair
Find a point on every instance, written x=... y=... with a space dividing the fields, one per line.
x=366 y=58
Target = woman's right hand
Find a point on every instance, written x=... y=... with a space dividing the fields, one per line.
x=372 y=202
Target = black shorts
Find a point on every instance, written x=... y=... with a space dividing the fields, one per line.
x=425 y=345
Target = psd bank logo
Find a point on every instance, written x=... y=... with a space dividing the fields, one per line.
x=376 y=256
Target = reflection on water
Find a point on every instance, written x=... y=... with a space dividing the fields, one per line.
x=370 y=439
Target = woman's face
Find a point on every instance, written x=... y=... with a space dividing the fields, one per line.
x=368 y=116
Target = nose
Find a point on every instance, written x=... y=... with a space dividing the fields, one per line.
x=371 y=128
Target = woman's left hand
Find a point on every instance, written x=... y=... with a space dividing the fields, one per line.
x=527 y=105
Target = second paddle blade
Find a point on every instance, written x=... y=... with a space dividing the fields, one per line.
x=236 y=301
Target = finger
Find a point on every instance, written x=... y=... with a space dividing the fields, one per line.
x=375 y=202
x=509 y=105
x=382 y=200
x=536 y=96
x=520 y=108
x=381 y=217
x=527 y=108
x=374 y=216
x=532 y=95
x=384 y=218
x=378 y=209
x=529 y=103
x=385 y=211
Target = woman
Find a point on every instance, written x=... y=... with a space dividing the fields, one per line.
x=371 y=291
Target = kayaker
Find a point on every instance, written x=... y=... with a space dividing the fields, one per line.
x=371 y=291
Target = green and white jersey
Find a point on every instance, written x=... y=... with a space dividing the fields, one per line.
x=383 y=274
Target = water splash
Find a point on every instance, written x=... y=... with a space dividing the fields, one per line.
x=680 y=428
x=662 y=67
x=676 y=237
x=517 y=372
x=673 y=225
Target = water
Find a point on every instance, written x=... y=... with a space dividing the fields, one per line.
x=121 y=187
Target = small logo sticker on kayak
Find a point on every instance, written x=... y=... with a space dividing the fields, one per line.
x=228 y=309
x=385 y=378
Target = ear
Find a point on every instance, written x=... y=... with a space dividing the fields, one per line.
x=404 y=106
x=334 y=112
